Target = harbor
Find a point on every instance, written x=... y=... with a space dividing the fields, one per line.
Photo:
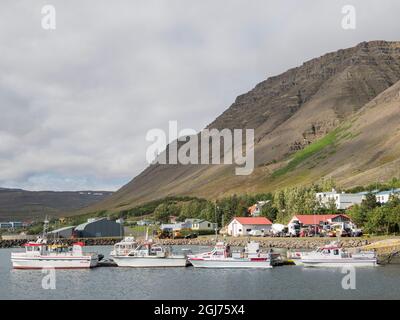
x=286 y=282
x=200 y=268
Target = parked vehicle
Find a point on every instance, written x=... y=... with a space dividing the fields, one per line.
x=256 y=233
x=354 y=231
x=278 y=230
x=191 y=236
x=293 y=229
x=164 y=234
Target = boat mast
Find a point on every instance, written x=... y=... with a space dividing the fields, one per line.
x=45 y=227
x=216 y=221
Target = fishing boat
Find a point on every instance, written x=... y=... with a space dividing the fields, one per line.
x=41 y=255
x=148 y=255
x=222 y=257
x=332 y=255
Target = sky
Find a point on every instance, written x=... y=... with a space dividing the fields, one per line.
x=76 y=102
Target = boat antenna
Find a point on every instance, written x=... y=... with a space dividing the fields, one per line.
x=147 y=234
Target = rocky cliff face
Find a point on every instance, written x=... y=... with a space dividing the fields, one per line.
x=288 y=112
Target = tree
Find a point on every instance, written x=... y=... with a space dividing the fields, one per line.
x=269 y=211
x=328 y=184
x=377 y=220
x=280 y=204
x=369 y=203
x=162 y=213
x=357 y=215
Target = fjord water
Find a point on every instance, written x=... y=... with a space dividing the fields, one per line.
x=287 y=282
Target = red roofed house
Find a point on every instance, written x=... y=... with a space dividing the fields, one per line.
x=317 y=219
x=241 y=226
x=255 y=210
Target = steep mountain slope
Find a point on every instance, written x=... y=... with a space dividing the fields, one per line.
x=16 y=204
x=301 y=115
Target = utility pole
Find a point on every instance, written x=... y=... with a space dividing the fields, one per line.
x=216 y=219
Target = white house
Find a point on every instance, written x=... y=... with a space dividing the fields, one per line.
x=255 y=210
x=241 y=226
x=175 y=226
x=143 y=223
x=199 y=224
x=342 y=200
x=384 y=196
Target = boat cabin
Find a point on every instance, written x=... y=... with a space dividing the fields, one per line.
x=147 y=249
x=40 y=248
x=125 y=246
x=332 y=251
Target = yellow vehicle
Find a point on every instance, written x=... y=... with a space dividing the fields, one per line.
x=164 y=234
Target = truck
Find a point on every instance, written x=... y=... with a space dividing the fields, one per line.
x=279 y=230
x=293 y=229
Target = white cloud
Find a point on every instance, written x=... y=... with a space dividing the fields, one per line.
x=76 y=103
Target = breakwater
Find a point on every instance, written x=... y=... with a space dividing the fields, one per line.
x=87 y=241
x=284 y=243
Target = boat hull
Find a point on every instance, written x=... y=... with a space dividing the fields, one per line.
x=342 y=263
x=226 y=264
x=297 y=262
x=54 y=262
x=150 y=262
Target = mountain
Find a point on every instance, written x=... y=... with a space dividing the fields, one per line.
x=17 y=204
x=334 y=116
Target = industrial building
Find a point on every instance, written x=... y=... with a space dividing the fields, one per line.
x=65 y=232
x=99 y=228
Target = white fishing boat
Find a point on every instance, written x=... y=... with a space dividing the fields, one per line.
x=40 y=255
x=150 y=255
x=332 y=255
x=222 y=257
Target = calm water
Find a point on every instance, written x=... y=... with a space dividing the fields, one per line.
x=288 y=282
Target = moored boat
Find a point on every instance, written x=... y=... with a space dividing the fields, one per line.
x=148 y=255
x=40 y=255
x=222 y=257
x=333 y=255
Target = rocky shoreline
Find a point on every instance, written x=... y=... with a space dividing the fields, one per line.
x=284 y=243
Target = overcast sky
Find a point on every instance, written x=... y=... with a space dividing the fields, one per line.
x=76 y=102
